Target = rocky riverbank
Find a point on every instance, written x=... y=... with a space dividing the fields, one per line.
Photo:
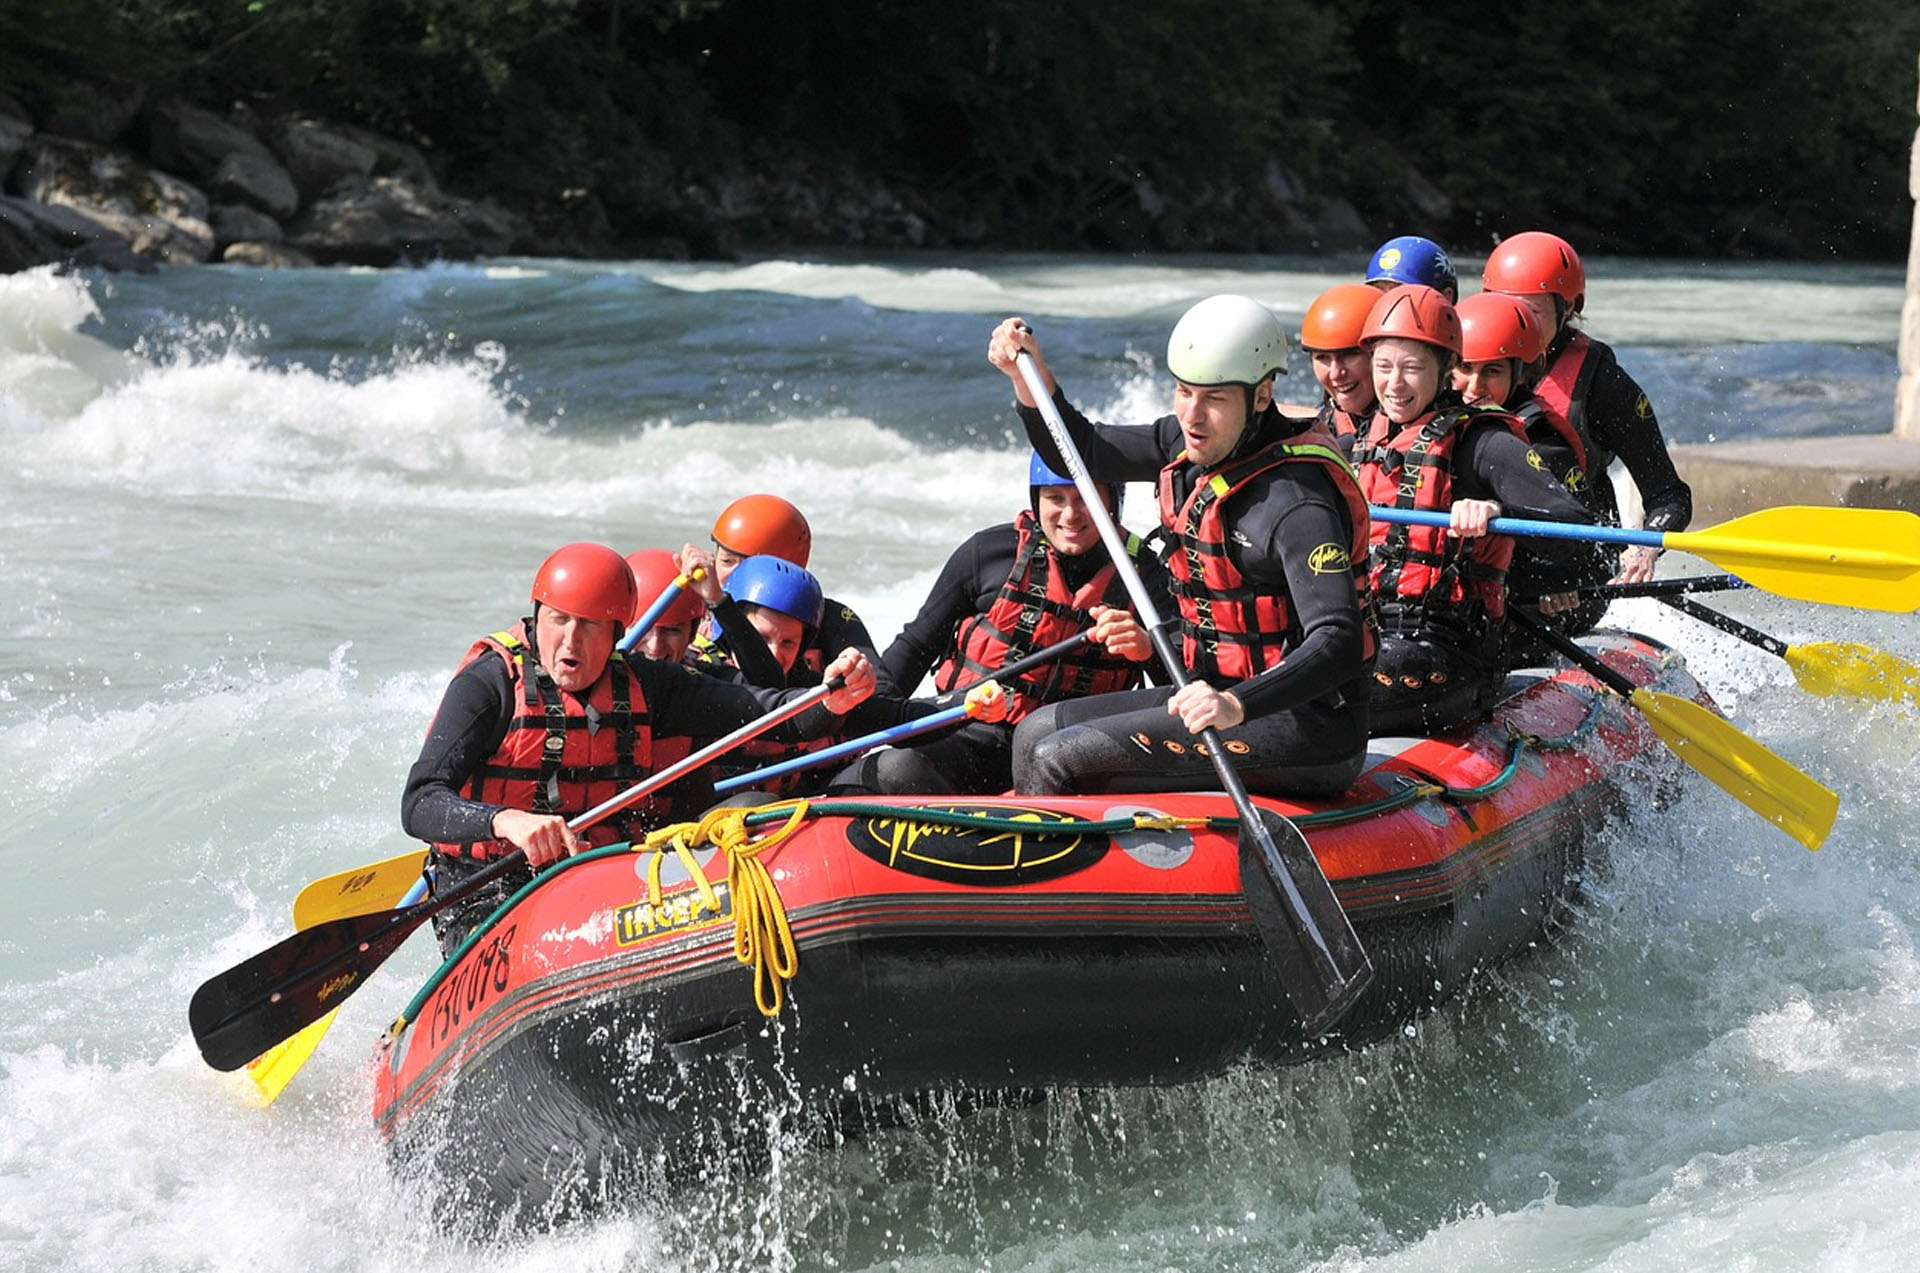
x=120 y=182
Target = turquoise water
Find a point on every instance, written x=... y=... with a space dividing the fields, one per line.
x=251 y=520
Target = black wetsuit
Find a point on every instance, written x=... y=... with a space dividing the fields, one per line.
x=1306 y=718
x=977 y=757
x=1614 y=418
x=1434 y=673
x=472 y=721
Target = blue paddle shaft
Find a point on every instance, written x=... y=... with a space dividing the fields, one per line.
x=654 y=611
x=908 y=729
x=1522 y=526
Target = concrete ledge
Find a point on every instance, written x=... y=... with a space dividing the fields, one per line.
x=1733 y=478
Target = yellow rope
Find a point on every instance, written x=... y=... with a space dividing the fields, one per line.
x=762 y=936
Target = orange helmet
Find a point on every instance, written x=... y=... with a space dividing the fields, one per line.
x=1413 y=312
x=1535 y=261
x=587 y=581
x=653 y=571
x=1336 y=317
x=756 y=525
x=1495 y=325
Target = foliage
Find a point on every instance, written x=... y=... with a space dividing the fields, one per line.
x=1699 y=126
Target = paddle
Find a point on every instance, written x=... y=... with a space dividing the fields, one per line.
x=659 y=607
x=373 y=887
x=1321 y=961
x=1833 y=668
x=905 y=730
x=1743 y=768
x=1656 y=588
x=1867 y=557
x=245 y=1010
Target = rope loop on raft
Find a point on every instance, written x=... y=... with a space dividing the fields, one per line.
x=762 y=934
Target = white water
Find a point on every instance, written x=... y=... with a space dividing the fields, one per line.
x=249 y=521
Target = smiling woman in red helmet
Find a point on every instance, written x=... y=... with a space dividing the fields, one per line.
x=545 y=720
x=1592 y=412
x=1266 y=524
x=1440 y=593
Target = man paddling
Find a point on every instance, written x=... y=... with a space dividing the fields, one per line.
x=1268 y=564
x=1009 y=591
x=546 y=720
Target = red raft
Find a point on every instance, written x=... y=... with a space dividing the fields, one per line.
x=622 y=1017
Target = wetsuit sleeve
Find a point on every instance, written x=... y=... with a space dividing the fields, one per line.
x=1332 y=649
x=1493 y=463
x=1158 y=582
x=748 y=648
x=1113 y=452
x=842 y=629
x=471 y=722
x=1622 y=420
x=959 y=593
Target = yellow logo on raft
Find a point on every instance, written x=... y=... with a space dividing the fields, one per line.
x=638 y=921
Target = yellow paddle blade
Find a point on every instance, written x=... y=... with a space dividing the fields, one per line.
x=273 y=1069
x=1866 y=557
x=377 y=886
x=1742 y=767
x=1852 y=670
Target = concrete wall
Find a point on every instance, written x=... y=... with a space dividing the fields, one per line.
x=1906 y=406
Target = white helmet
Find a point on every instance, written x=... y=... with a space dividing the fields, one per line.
x=1227 y=340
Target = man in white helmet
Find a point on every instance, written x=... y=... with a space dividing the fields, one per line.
x=1267 y=549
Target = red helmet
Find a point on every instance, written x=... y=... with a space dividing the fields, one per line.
x=1413 y=312
x=587 y=581
x=1535 y=261
x=653 y=571
x=1336 y=317
x=756 y=525
x=1494 y=325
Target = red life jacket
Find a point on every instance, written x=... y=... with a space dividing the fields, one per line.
x=1228 y=628
x=1344 y=426
x=1562 y=392
x=1035 y=610
x=565 y=756
x=1420 y=573
x=757 y=753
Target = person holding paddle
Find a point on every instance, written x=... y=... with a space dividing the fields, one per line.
x=1441 y=593
x=545 y=721
x=1267 y=525
x=1009 y=591
x=1593 y=411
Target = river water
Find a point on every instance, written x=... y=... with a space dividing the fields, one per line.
x=249 y=521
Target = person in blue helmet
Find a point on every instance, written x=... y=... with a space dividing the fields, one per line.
x=1009 y=591
x=1408 y=258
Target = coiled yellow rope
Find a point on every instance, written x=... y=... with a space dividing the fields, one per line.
x=762 y=936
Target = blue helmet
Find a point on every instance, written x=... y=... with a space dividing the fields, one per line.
x=1412 y=259
x=778 y=585
x=1040 y=473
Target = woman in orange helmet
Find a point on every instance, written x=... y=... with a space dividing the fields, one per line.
x=1330 y=333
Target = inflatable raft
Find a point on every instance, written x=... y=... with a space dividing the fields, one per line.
x=837 y=961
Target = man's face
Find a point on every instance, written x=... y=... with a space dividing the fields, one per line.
x=574 y=651
x=783 y=634
x=667 y=642
x=1213 y=417
x=1065 y=521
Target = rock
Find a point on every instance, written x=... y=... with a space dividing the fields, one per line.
x=33 y=233
x=384 y=220
x=15 y=128
x=275 y=256
x=238 y=223
x=317 y=155
x=98 y=111
x=229 y=158
x=158 y=214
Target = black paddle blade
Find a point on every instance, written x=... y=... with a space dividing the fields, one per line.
x=247 y=1009
x=1323 y=964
